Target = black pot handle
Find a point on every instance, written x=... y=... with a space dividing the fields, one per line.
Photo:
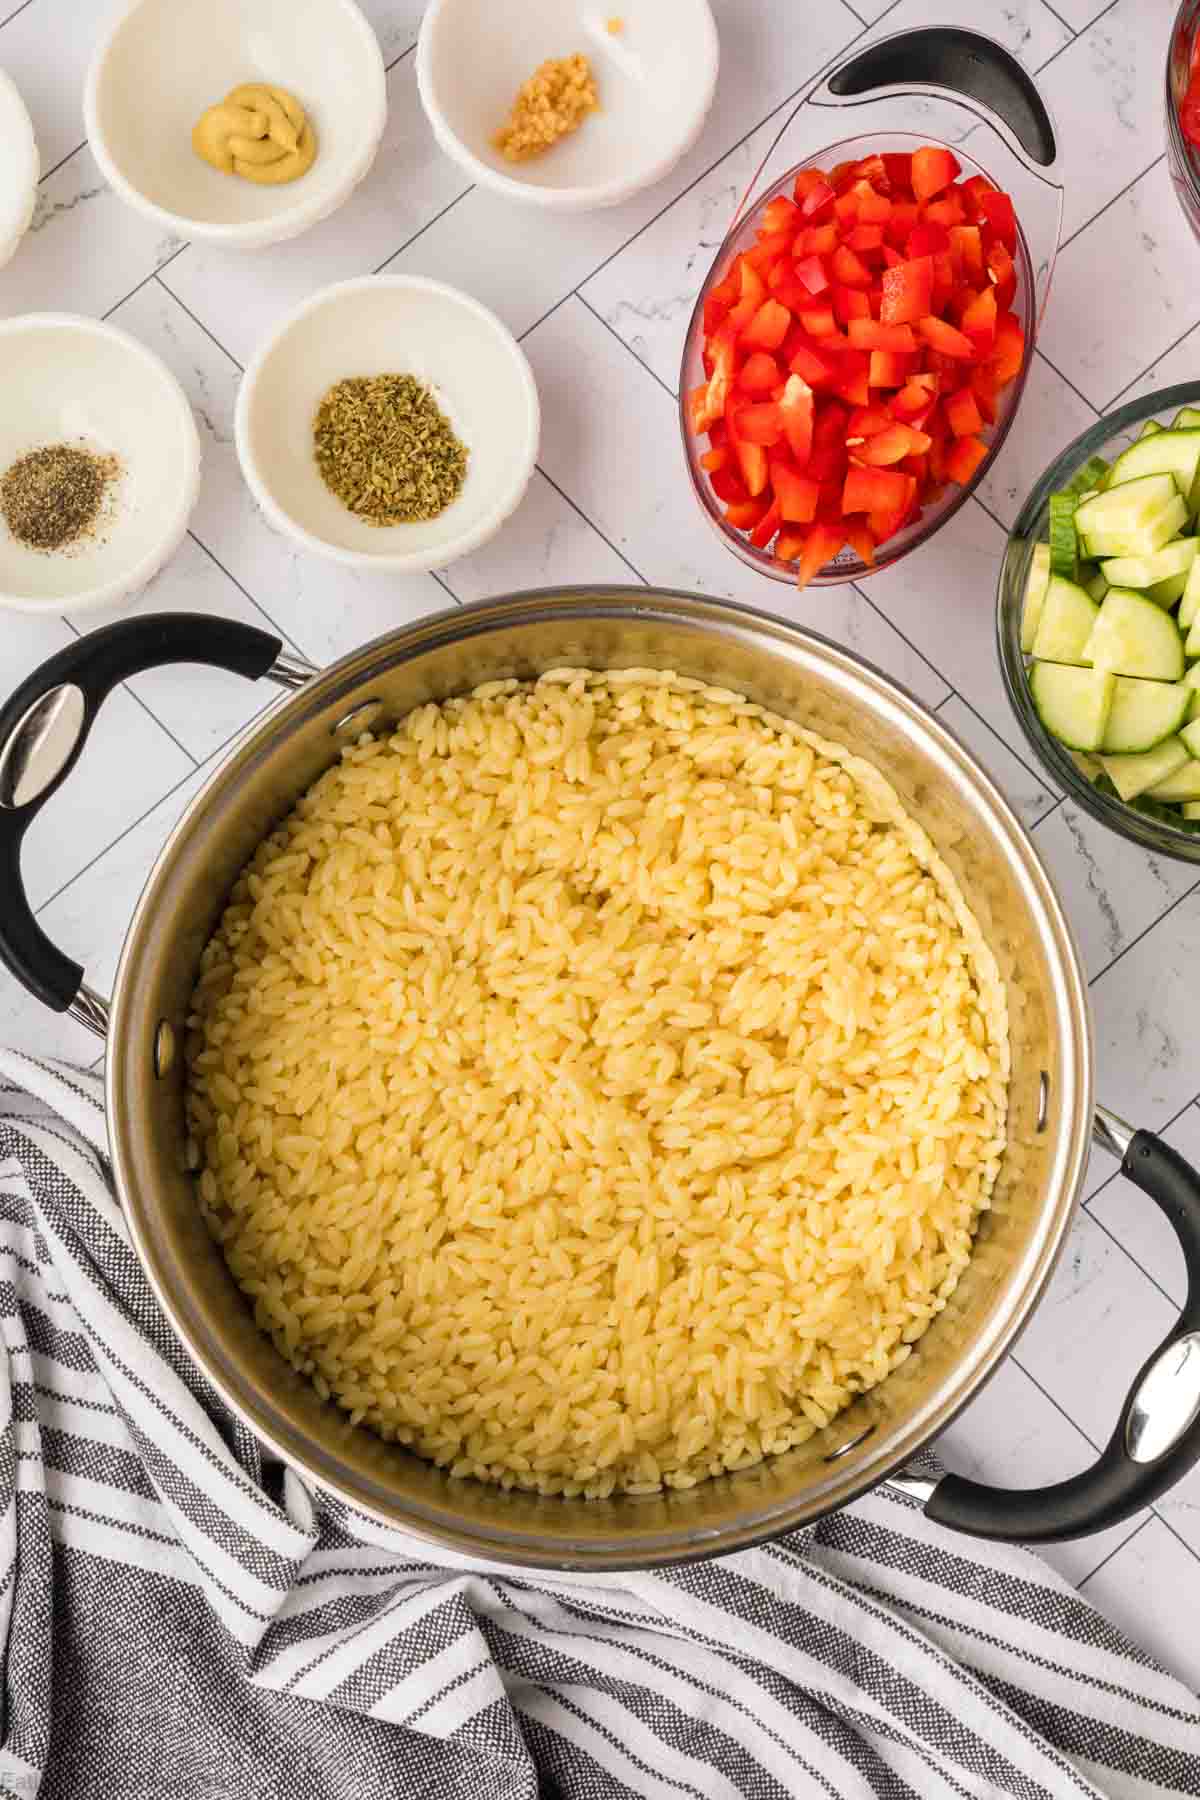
x=1157 y=1439
x=43 y=728
x=966 y=63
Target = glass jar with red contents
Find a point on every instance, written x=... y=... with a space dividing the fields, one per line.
x=1183 y=110
x=943 y=95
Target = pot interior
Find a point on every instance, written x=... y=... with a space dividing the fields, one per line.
x=795 y=674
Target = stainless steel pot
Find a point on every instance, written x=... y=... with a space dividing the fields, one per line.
x=42 y=731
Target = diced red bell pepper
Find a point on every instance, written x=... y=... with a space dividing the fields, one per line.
x=846 y=208
x=779 y=214
x=869 y=334
x=850 y=303
x=842 y=175
x=729 y=287
x=818 y=240
x=891 y=257
x=698 y=416
x=861 y=541
x=892 y=446
x=898 y=164
x=819 y=368
x=973 y=190
x=1002 y=273
x=758 y=424
x=907 y=292
x=714 y=312
x=889 y=368
x=797 y=494
x=873 y=208
x=1009 y=353
x=867 y=421
x=998 y=213
x=905 y=217
x=746 y=514
x=827 y=464
x=983 y=386
x=943 y=282
x=769 y=251
x=830 y=422
x=876 y=490
x=796 y=406
x=873 y=168
x=819 y=321
x=811 y=274
x=866 y=241
x=850 y=269
x=752 y=293
x=760 y=374
x=947 y=210
x=962 y=413
x=964 y=458
x=789 y=545
x=966 y=247
x=728 y=486
x=723 y=349
x=714 y=460
x=817 y=200
x=786 y=289
x=913 y=404
x=752 y=458
x=820 y=547
x=1189 y=114
x=806 y=180
x=927 y=240
x=883 y=525
x=853 y=377
x=978 y=322
x=767 y=526
x=768 y=328
x=933 y=168
x=917 y=466
x=946 y=340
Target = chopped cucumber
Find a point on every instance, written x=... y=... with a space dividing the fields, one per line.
x=1064 y=545
x=1191 y=810
x=1127 y=508
x=1134 y=775
x=1187 y=417
x=1089 y=478
x=1068 y=620
x=1173 y=453
x=1175 y=558
x=1143 y=714
x=1150 y=427
x=1191 y=648
x=1182 y=784
x=1189 y=604
x=1191 y=737
x=1073 y=704
x=1141 y=540
x=1096 y=588
x=1036 y=584
x=1089 y=766
x=1131 y=636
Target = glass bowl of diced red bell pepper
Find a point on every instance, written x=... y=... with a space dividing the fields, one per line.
x=855 y=357
x=1183 y=110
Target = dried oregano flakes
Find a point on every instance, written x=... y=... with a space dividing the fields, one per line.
x=387 y=450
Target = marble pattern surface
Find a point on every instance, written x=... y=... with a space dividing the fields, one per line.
x=602 y=302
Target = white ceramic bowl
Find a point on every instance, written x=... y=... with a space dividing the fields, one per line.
x=67 y=379
x=389 y=324
x=161 y=63
x=20 y=167
x=656 y=79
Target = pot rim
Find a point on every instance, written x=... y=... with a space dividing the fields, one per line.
x=647 y=1549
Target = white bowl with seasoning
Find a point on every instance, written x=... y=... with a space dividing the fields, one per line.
x=655 y=64
x=162 y=63
x=79 y=383
x=389 y=325
x=20 y=166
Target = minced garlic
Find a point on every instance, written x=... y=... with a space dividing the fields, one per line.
x=553 y=102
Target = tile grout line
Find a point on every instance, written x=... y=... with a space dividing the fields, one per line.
x=1113 y=1238
x=63 y=160
x=144 y=282
x=1152 y=364
x=9 y=17
x=1077 y=37
x=444 y=584
x=1061 y=20
x=429 y=223
x=1056 y=800
x=1133 y=942
x=1047 y=1395
x=182 y=304
x=134 y=695
x=1109 y=1179
x=625 y=345
x=1175 y=1534
x=1116 y=1551
x=1088 y=223
x=575 y=507
x=1067 y=382
x=891 y=624
x=258 y=607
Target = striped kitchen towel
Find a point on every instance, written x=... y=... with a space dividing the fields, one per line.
x=181 y=1619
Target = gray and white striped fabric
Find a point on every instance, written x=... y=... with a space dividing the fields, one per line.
x=180 y=1620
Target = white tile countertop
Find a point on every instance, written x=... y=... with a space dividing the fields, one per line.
x=600 y=303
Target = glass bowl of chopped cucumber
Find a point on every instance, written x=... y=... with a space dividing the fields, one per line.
x=1099 y=621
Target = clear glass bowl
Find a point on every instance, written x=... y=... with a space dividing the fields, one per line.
x=1183 y=158
x=847 y=566
x=1106 y=438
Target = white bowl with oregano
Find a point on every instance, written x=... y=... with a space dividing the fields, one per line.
x=390 y=422
x=99 y=464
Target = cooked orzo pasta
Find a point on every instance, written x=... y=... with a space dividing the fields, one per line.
x=596 y=1083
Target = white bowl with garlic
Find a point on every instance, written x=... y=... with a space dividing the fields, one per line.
x=163 y=68
x=20 y=167
x=99 y=464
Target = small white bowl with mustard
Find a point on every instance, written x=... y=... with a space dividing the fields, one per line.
x=20 y=166
x=163 y=65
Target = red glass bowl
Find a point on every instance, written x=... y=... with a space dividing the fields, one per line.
x=1183 y=158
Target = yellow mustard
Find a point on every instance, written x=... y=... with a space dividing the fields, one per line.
x=258 y=132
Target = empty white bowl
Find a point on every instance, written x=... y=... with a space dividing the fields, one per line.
x=389 y=325
x=656 y=78
x=164 y=62
x=20 y=167
x=67 y=379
